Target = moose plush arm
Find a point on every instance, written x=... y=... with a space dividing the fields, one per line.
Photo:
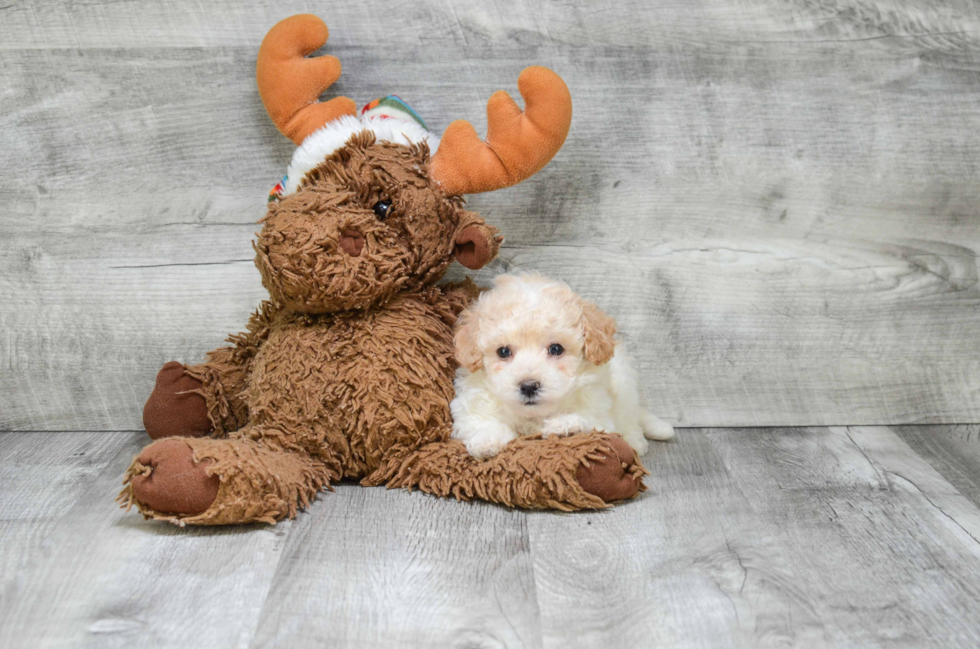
x=568 y=473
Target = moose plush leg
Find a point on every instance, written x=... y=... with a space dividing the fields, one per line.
x=568 y=473
x=223 y=377
x=199 y=400
x=221 y=481
x=177 y=406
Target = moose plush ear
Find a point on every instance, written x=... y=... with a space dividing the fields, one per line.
x=477 y=245
x=599 y=330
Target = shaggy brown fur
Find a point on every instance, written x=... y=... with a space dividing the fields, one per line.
x=346 y=372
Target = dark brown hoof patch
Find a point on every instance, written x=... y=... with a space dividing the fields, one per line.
x=175 y=409
x=175 y=483
x=610 y=478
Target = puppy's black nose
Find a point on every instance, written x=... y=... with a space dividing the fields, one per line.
x=530 y=388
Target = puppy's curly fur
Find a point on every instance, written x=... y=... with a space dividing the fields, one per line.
x=538 y=359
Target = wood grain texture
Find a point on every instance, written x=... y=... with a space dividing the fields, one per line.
x=692 y=564
x=808 y=537
x=103 y=577
x=379 y=568
x=42 y=478
x=881 y=544
x=953 y=451
x=777 y=199
x=768 y=537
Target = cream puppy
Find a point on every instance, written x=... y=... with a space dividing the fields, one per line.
x=536 y=358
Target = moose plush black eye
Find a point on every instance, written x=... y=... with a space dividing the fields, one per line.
x=382 y=209
x=503 y=352
x=556 y=349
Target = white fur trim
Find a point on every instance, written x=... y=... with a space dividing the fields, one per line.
x=319 y=144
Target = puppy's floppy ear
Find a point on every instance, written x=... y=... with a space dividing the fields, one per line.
x=599 y=330
x=476 y=243
x=467 y=353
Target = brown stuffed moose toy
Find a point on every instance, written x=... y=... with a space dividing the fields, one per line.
x=346 y=372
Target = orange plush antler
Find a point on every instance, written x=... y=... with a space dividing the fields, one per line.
x=290 y=84
x=518 y=143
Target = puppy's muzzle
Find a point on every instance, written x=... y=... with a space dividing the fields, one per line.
x=529 y=390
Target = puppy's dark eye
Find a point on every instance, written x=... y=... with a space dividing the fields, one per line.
x=382 y=209
x=503 y=352
x=556 y=350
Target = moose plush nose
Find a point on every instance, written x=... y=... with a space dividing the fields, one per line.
x=352 y=242
x=530 y=388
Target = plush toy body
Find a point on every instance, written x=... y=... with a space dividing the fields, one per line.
x=346 y=372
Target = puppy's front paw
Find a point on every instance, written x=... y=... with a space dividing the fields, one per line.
x=636 y=439
x=484 y=447
x=487 y=440
x=565 y=425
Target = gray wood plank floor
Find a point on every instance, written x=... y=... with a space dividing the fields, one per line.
x=850 y=536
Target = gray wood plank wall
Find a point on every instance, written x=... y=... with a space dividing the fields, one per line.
x=778 y=199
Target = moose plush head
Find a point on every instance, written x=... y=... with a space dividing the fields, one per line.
x=371 y=205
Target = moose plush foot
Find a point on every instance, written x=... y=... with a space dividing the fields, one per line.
x=166 y=478
x=223 y=481
x=176 y=408
x=614 y=476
